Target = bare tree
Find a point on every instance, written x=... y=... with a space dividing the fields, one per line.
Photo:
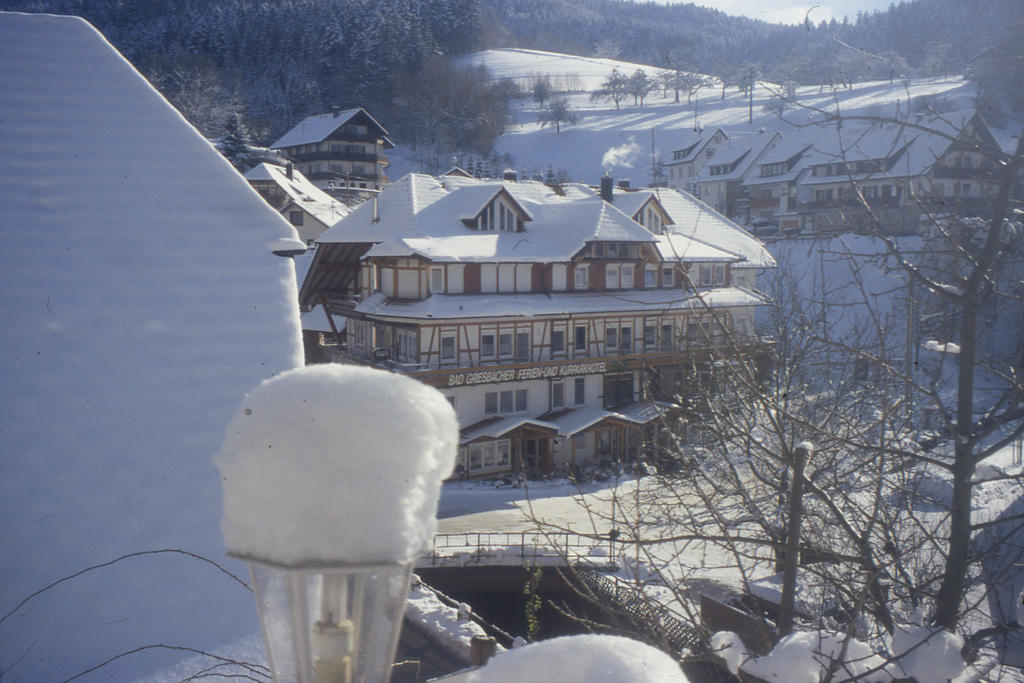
x=558 y=111
x=900 y=435
x=614 y=88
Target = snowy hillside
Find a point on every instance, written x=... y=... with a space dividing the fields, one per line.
x=623 y=141
x=566 y=72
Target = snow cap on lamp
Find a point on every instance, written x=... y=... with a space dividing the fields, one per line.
x=332 y=463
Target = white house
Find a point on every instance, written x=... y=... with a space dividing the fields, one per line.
x=309 y=209
x=555 y=323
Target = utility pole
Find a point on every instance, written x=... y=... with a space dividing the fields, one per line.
x=750 y=96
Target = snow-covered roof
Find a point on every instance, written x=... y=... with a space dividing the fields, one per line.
x=674 y=246
x=572 y=421
x=301 y=192
x=912 y=148
x=740 y=153
x=420 y=214
x=783 y=151
x=318 y=128
x=142 y=303
x=696 y=220
x=694 y=145
x=495 y=427
x=445 y=307
x=316 y=321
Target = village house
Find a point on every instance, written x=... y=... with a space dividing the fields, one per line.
x=687 y=161
x=829 y=178
x=720 y=181
x=768 y=194
x=558 y=326
x=309 y=209
x=342 y=152
x=889 y=174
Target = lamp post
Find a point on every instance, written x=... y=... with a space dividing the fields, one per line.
x=331 y=476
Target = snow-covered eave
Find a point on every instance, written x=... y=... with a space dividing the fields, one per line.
x=502 y=306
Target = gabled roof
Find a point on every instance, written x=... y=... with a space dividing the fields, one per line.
x=423 y=215
x=631 y=202
x=301 y=192
x=694 y=219
x=693 y=148
x=793 y=149
x=135 y=259
x=318 y=128
x=740 y=153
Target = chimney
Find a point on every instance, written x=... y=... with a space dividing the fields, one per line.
x=624 y=184
x=510 y=175
x=376 y=209
x=607 y=184
x=335 y=110
x=288 y=170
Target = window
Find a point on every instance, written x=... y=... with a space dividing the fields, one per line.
x=650 y=276
x=505 y=344
x=666 y=337
x=705 y=275
x=448 y=347
x=627 y=276
x=488 y=455
x=437 y=279
x=719 y=275
x=611 y=277
x=557 y=395
x=522 y=346
x=504 y=402
x=579 y=390
x=557 y=341
x=667 y=276
x=709 y=153
x=580 y=276
x=580 y=342
x=649 y=336
x=487 y=345
x=611 y=336
x=295 y=217
x=626 y=339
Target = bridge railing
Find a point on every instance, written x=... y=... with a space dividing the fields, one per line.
x=519 y=547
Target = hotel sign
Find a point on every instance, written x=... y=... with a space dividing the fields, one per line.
x=519 y=374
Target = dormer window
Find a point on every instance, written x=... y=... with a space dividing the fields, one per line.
x=497 y=215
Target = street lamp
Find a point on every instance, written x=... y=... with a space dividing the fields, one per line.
x=331 y=476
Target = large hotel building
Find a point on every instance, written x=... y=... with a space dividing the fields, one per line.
x=561 y=322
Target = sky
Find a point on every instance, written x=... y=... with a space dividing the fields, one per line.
x=794 y=11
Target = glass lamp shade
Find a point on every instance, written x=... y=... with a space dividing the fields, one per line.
x=331 y=624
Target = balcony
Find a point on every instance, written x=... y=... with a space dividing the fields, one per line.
x=977 y=174
x=339 y=156
x=769 y=203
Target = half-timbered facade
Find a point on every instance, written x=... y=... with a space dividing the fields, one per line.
x=552 y=320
